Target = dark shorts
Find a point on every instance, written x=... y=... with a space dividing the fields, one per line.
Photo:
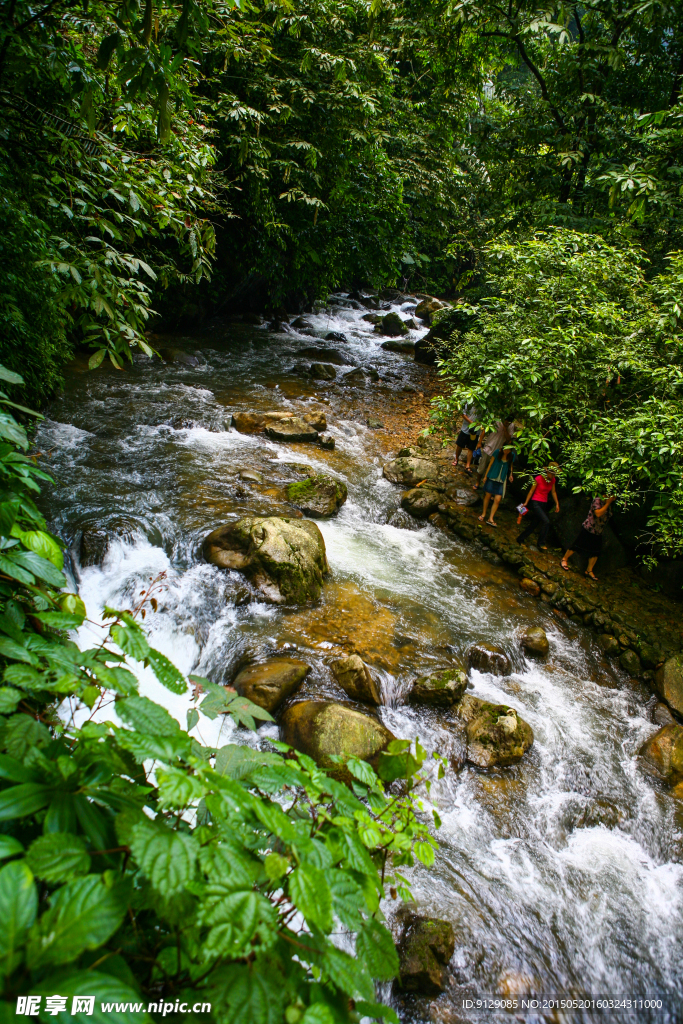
x=494 y=487
x=466 y=440
x=587 y=543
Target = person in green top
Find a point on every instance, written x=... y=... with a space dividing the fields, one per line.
x=498 y=472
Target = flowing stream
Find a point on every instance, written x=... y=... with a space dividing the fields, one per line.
x=562 y=876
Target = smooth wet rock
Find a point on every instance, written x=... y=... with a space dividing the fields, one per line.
x=292 y=430
x=403 y=347
x=335 y=336
x=441 y=689
x=322 y=371
x=250 y=476
x=663 y=752
x=391 y=324
x=354 y=677
x=609 y=644
x=535 y=642
x=420 y=502
x=531 y=586
x=630 y=662
x=178 y=355
x=426 y=309
x=325 y=355
x=96 y=539
x=269 y=683
x=323 y=729
x=319 y=496
x=360 y=376
x=372 y=318
x=284 y=558
x=669 y=682
x=487 y=658
x=661 y=715
x=496 y=734
x=424 y=950
x=412 y=471
x=301 y=324
x=256 y=422
x=326 y=441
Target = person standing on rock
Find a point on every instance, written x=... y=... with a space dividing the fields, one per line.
x=467 y=438
x=495 y=481
x=497 y=439
x=537 y=503
x=589 y=539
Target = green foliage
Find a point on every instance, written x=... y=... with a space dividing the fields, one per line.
x=590 y=355
x=139 y=865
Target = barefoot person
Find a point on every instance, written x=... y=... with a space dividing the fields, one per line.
x=589 y=539
x=467 y=438
x=537 y=503
x=498 y=471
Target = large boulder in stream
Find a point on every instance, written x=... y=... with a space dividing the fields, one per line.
x=269 y=683
x=325 y=355
x=424 y=950
x=257 y=422
x=324 y=729
x=406 y=348
x=663 y=752
x=487 y=658
x=496 y=735
x=412 y=470
x=420 y=502
x=441 y=689
x=353 y=675
x=319 y=496
x=426 y=309
x=284 y=558
x=392 y=325
x=534 y=642
x=294 y=429
x=669 y=682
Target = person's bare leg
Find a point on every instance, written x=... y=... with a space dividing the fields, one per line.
x=487 y=498
x=565 y=556
x=496 y=503
x=458 y=449
x=468 y=464
x=591 y=564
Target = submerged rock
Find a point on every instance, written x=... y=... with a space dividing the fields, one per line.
x=487 y=658
x=392 y=325
x=269 y=683
x=404 y=347
x=284 y=558
x=318 y=496
x=424 y=950
x=323 y=729
x=178 y=355
x=440 y=689
x=669 y=682
x=663 y=752
x=496 y=735
x=353 y=675
x=294 y=429
x=535 y=642
x=420 y=502
x=250 y=476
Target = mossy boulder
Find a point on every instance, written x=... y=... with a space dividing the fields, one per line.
x=535 y=642
x=284 y=558
x=496 y=735
x=439 y=689
x=669 y=682
x=392 y=325
x=324 y=729
x=319 y=496
x=420 y=502
x=412 y=470
x=403 y=347
x=353 y=675
x=424 y=950
x=487 y=658
x=663 y=752
x=270 y=682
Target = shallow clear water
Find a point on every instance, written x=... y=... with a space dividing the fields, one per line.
x=562 y=876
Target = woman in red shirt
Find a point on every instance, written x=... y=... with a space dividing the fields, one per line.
x=537 y=504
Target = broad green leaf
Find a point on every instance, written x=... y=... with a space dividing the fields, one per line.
x=310 y=893
x=9 y=847
x=167 y=857
x=236 y=762
x=145 y=716
x=253 y=994
x=18 y=907
x=10 y=376
x=114 y=998
x=361 y=770
x=347 y=974
x=177 y=789
x=377 y=1010
x=239 y=922
x=9 y=699
x=20 y=801
x=166 y=672
x=58 y=857
x=131 y=640
x=375 y=948
x=43 y=545
x=96 y=358
x=40 y=567
x=84 y=914
x=72 y=604
x=318 y=1013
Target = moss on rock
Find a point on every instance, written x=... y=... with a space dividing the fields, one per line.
x=324 y=729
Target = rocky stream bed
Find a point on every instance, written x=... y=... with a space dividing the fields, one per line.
x=322 y=556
